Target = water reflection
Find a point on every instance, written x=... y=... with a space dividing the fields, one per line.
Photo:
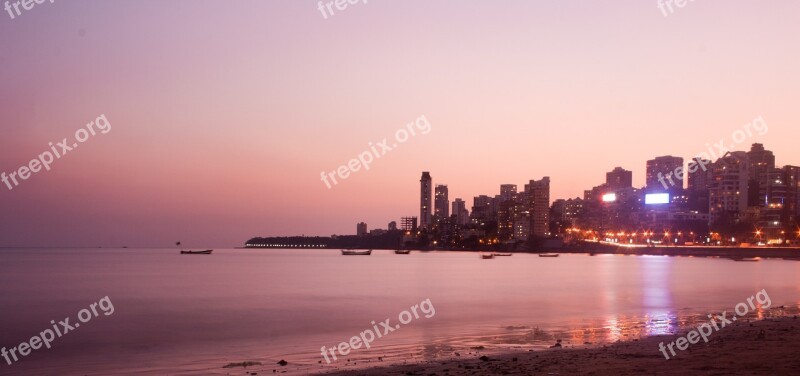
x=657 y=295
x=661 y=323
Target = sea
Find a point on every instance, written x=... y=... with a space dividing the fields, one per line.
x=177 y=314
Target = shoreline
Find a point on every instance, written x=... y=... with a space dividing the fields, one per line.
x=786 y=253
x=767 y=346
x=790 y=253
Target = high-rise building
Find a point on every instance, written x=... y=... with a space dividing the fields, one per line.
x=425 y=193
x=698 y=173
x=791 y=177
x=507 y=192
x=460 y=212
x=441 y=204
x=567 y=210
x=775 y=195
x=482 y=208
x=699 y=176
x=661 y=173
x=361 y=229
x=538 y=192
x=761 y=161
x=564 y=214
x=728 y=187
x=619 y=178
x=392 y=226
x=505 y=220
x=762 y=174
x=522 y=228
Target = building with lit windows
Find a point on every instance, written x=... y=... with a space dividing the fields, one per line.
x=441 y=204
x=425 y=193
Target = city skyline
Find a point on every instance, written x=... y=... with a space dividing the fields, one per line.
x=215 y=138
x=743 y=195
x=517 y=187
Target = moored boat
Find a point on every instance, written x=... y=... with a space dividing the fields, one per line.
x=487 y=256
x=548 y=255
x=350 y=252
x=502 y=254
x=402 y=251
x=206 y=252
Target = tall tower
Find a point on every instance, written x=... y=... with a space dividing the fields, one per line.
x=441 y=203
x=425 y=193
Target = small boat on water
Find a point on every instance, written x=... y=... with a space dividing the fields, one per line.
x=206 y=252
x=748 y=259
x=502 y=254
x=350 y=252
x=402 y=251
x=487 y=256
x=548 y=255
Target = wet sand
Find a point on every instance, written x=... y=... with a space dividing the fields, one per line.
x=766 y=347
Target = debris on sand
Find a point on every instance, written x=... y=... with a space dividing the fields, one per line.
x=242 y=364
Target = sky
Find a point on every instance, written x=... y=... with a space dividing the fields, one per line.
x=221 y=116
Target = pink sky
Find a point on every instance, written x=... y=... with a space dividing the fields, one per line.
x=224 y=114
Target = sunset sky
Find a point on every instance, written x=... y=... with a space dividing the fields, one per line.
x=224 y=114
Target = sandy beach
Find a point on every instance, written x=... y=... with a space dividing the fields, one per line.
x=766 y=347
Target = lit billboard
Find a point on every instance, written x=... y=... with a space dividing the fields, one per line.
x=609 y=197
x=656 y=198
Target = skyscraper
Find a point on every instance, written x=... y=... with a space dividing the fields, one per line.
x=425 y=192
x=460 y=211
x=539 y=195
x=619 y=178
x=441 y=204
x=661 y=173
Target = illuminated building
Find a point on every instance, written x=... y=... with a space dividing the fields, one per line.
x=441 y=204
x=425 y=192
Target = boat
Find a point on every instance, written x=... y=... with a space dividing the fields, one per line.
x=350 y=252
x=206 y=252
x=748 y=259
x=502 y=254
x=487 y=256
x=548 y=255
x=402 y=251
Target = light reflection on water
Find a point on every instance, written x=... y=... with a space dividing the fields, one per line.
x=197 y=313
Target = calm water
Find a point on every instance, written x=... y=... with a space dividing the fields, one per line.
x=186 y=314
